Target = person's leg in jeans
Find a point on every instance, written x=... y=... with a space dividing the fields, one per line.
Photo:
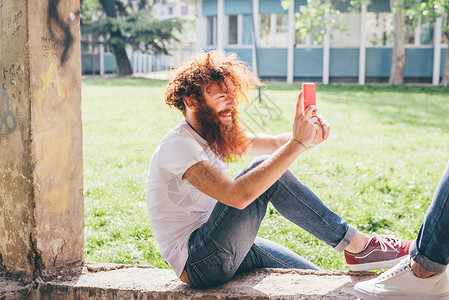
x=227 y=242
x=431 y=248
x=422 y=276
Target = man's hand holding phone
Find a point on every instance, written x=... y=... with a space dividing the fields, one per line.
x=309 y=95
x=307 y=122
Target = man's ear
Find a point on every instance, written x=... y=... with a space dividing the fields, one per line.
x=191 y=102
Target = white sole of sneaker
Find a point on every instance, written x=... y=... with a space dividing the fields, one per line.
x=367 y=296
x=386 y=264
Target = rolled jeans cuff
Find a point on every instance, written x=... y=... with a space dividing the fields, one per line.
x=346 y=240
x=424 y=262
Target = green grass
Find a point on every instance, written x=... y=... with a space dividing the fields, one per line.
x=379 y=168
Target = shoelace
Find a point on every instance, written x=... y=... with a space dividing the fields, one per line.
x=385 y=240
x=402 y=266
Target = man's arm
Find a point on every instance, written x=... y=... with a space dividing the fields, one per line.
x=240 y=192
x=261 y=144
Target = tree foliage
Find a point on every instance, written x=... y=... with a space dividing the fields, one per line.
x=430 y=11
x=139 y=30
x=317 y=19
x=130 y=23
x=321 y=17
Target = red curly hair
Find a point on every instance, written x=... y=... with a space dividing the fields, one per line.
x=197 y=72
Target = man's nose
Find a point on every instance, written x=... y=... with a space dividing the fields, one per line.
x=231 y=101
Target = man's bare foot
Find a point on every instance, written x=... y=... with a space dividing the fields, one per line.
x=358 y=243
x=420 y=271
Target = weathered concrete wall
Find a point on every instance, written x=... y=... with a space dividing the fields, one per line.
x=42 y=213
x=56 y=151
x=16 y=192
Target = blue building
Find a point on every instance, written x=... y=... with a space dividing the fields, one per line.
x=263 y=34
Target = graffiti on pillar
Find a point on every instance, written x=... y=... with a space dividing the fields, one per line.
x=53 y=110
x=13 y=75
x=7 y=119
x=52 y=78
x=10 y=76
x=13 y=23
x=48 y=47
x=60 y=29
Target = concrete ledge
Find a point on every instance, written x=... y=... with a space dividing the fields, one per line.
x=111 y=281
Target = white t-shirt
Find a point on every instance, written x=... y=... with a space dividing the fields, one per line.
x=176 y=208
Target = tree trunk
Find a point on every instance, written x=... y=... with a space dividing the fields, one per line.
x=123 y=64
x=398 y=57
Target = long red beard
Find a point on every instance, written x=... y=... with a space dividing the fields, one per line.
x=228 y=141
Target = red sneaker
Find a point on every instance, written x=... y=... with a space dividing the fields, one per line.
x=381 y=252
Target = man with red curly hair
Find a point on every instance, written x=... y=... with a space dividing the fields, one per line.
x=206 y=222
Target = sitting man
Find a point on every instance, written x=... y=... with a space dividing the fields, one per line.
x=422 y=275
x=206 y=222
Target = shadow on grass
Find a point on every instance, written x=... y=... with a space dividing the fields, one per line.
x=125 y=81
x=417 y=106
x=358 y=88
x=414 y=106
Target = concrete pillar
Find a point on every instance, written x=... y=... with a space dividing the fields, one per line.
x=240 y=29
x=291 y=42
x=362 y=50
x=256 y=19
x=417 y=37
x=225 y=31
x=273 y=25
x=134 y=61
x=220 y=25
x=437 y=51
x=41 y=168
x=326 y=58
x=256 y=34
x=101 y=54
x=200 y=27
x=145 y=63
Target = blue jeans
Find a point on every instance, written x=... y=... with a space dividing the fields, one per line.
x=431 y=248
x=227 y=244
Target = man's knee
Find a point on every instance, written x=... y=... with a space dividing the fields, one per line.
x=254 y=163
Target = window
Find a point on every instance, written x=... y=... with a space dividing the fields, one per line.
x=309 y=40
x=426 y=37
x=240 y=30
x=299 y=40
x=280 y=38
x=248 y=30
x=211 y=30
x=418 y=34
x=379 y=29
x=184 y=10
x=273 y=30
x=233 y=30
x=170 y=10
x=350 y=37
x=409 y=31
x=265 y=31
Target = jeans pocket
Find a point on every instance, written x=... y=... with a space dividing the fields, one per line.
x=217 y=268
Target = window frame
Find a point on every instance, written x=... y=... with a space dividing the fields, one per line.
x=239 y=43
x=211 y=31
x=273 y=32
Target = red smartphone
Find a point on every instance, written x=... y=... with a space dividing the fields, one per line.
x=309 y=94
